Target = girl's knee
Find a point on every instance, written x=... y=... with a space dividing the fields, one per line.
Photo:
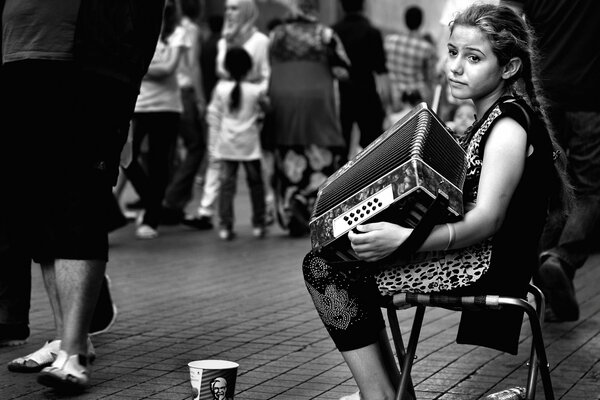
x=313 y=266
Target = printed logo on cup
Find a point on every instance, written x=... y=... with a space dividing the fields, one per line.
x=213 y=379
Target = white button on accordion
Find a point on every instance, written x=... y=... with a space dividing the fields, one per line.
x=394 y=179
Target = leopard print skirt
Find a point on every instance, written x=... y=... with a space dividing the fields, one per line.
x=437 y=271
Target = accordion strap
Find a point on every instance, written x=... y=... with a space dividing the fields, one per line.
x=432 y=216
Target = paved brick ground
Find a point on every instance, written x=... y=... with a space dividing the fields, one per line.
x=187 y=296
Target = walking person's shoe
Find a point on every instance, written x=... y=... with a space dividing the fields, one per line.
x=13 y=335
x=67 y=374
x=558 y=287
x=43 y=357
x=202 y=223
x=37 y=360
x=259 y=232
x=105 y=313
x=226 y=234
x=146 y=232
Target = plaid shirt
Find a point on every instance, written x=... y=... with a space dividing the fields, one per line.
x=411 y=63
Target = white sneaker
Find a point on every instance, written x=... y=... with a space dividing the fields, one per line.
x=145 y=232
x=226 y=234
x=259 y=232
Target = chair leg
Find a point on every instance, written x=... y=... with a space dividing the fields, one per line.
x=533 y=359
x=540 y=351
x=415 y=332
x=399 y=345
x=541 y=355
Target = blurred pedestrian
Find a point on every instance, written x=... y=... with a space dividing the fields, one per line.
x=84 y=62
x=208 y=55
x=191 y=125
x=411 y=59
x=239 y=29
x=363 y=95
x=463 y=117
x=157 y=117
x=567 y=33
x=306 y=57
x=233 y=117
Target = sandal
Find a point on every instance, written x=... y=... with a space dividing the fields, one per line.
x=67 y=374
x=43 y=357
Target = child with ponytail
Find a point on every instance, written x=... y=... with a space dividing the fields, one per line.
x=515 y=175
x=233 y=118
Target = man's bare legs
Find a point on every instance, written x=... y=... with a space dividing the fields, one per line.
x=73 y=287
x=374 y=369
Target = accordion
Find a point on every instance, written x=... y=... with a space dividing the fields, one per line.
x=394 y=179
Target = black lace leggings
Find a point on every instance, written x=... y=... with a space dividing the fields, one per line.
x=347 y=301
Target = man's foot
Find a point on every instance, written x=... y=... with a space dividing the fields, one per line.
x=37 y=360
x=259 y=232
x=226 y=234
x=146 y=232
x=67 y=374
x=105 y=312
x=203 y=223
x=559 y=290
x=43 y=357
x=13 y=334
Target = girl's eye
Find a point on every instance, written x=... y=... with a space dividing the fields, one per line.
x=452 y=52
x=473 y=59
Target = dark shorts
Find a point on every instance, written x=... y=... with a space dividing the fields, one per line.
x=59 y=151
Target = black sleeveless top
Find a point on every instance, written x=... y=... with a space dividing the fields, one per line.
x=515 y=244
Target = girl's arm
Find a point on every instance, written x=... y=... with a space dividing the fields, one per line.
x=502 y=168
x=166 y=66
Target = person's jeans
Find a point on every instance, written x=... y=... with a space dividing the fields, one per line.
x=228 y=181
x=570 y=238
x=210 y=189
x=161 y=130
x=192 y=131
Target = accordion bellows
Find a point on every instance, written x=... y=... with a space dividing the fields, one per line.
x=393 y=179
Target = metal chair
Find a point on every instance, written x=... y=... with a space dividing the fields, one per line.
x=537 y=359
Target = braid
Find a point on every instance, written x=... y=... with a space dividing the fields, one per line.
x=235 y=97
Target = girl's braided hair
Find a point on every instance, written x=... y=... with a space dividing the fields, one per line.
x=511 y=36
x=238 y=63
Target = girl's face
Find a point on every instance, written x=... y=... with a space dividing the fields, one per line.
x=472 y=67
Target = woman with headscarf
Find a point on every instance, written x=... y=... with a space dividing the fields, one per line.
x=239 y=30
x=306 y=59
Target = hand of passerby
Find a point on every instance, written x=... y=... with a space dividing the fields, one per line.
x=340 y=73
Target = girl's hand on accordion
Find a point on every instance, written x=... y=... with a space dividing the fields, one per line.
x=374 y=241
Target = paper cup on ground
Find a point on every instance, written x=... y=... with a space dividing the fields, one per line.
x=213 y=379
